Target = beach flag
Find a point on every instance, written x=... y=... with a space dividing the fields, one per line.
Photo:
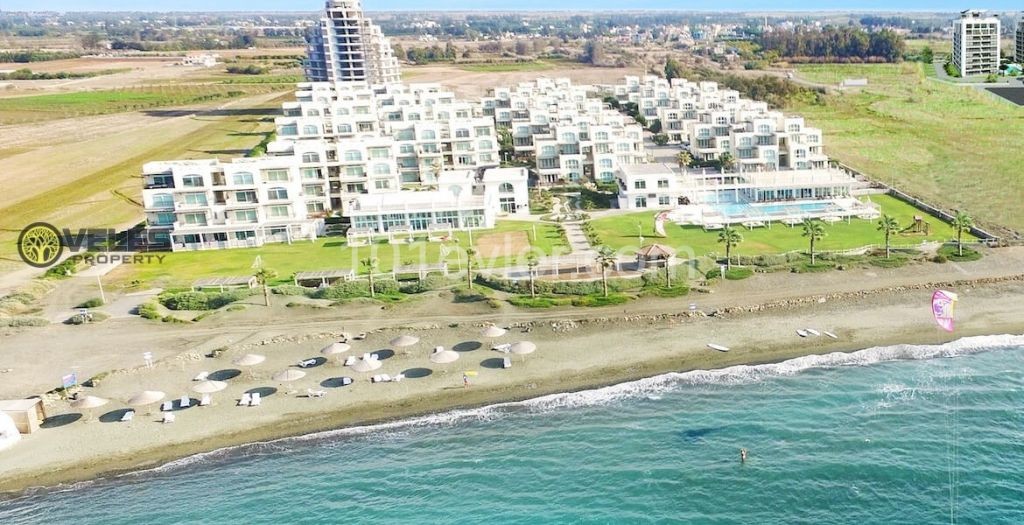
x=469 y=373
x=943 y=304
x=69 y=380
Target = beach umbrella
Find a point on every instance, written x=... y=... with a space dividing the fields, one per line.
x=146 y=397
x=249 y=360
x=442 y=356
x=335 y=348
x=89 y=402
x=366 y=366
x=404 y=340
x=522 y=348
x=493 y=331
x=209 y=387
x=291 y=374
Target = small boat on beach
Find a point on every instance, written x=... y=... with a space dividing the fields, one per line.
x=718 y=347
x=830 y=334
x=801 y=332
x=813 y=332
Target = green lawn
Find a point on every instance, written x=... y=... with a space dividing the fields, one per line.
x=502 y=67
x=955 y=146
x=181 y=268
x=620 y=232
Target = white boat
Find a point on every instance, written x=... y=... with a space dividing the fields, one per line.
x=813 y=332
x=830 y=334
x=718 y=347
x=801 y=332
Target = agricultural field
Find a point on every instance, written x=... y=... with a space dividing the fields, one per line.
x=506 y=244
x=621 y=233
x=955 y=146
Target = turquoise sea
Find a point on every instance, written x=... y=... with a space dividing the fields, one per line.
x=886 y=435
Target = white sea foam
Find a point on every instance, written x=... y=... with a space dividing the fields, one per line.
x=648 y=387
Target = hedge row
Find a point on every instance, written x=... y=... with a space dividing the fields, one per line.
x=202 y=300
x=544 y=287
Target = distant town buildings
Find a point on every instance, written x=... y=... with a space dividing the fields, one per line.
x=348 y=47
x=976 y=43
x=1019 y=43
x=201 y=60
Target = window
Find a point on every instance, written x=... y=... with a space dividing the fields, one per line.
x=310 y=129
x=379 y=153
x=195 y=199
x=508 y=204
x=548 y=151
x=277 y=212
x=311 y=173
x=486 y=157
x=163 y=200
x=601 y=135
x=607 y=176
x=163 y=219
x=605 y=163
x=244 y=235
x=310 y=157
x=664 y=200
x=764 y=129
x=381 y=169
x=464 y=160
x=353 y=155
x=277 y=194
x=484 y=144
x=640 y=202
x=355 y=171
x=462 y=133
x=382 y=184
x=194 y=219
x=505 y=187
x=463 y=146
x=313 y=190
x=344 y=128
x=245 y=196
x=192 y=181
x=245 y=215
x=314 y=207
x=663 y=183
x=289 y=130
x=276 y=176
x=483 y=131
x=406 y=149
x=640 y=185
x=428 y=134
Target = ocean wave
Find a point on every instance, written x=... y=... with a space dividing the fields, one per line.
x=648 y=387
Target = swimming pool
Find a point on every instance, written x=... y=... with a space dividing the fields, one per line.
x=775 y=209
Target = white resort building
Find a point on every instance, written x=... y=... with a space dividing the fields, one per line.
x=976 y=43
x=345 y=46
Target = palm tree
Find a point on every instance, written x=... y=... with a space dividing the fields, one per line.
x=684 y=158
x=730 y=238
x=815 y=231
x=370 y=264
x=263 y=277
x=532 y=263
x=962 y=222
x=726 y=161
x=606 y=258
x=889 y=226
x=470 y=252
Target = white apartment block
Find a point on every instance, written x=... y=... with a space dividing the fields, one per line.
x=566 y=129
x=1018 y=47
x=712 y=121
x=976 y=43
x=430 y=129
x=345 y=46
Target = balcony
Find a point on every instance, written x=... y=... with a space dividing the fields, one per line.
x=159 y=185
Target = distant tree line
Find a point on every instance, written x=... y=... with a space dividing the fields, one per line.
x=776 y=91
x=28 y=74
x=26 y=56
x=845 y=43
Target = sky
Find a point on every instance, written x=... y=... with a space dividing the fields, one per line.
x=462 y=5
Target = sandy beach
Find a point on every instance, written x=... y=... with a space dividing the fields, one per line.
x=577 y=349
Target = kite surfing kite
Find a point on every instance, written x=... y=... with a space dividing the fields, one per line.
x=943 y=303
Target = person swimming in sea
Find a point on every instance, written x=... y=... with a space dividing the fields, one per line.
x=743 y=455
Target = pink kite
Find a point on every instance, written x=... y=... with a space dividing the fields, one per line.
x=943 y=303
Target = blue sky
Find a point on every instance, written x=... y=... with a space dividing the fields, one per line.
x=383 y=5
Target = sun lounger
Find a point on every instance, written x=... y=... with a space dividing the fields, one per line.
x=398 y=378
x=185 y=402
x=168 y=418
x=360 y=336
x=245 y=400
x=503 y=348
x=366 y=356
x=167 y=406
x=315 y=393
x=374 y=357
x=201 y=376
x=376 y=379
x=345 y=381
x=350 y=360
x=307 y=363
x=255 y=400
x=506 y=363
x=128 y=416
x=205 y=401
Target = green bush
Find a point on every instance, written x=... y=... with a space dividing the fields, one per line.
x=149 y=311
x=737 y=273
x=352 y=289
x=202 y=300
x=525 y=301
x=678 y=290
x=951 y=253
x=891 y=262
x=428 y=284
x=95 y=302
x=939 y=258
x=62 y=270
x=807 y=267
x=557 y=287
x=291 y=289
x=600 y=300
x=235 y=308
x=91 y=317
x=22 y=321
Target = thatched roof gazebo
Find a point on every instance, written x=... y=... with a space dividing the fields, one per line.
x=656 y=255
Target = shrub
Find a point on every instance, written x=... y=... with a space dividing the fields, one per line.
x=600 y=300
x=891 y=262
x=557 y=287
x=291 y=289
x=525 y=301
x=939 y=258
x=202 y=300
x=951 y=253
x=91 y=317
x=430 y=283
x=678 y=290
x=22 y=321
x=807 y=267
x=149 y=310
x=95 y=302
x=738 y=273
x=235 y=308
x=62 y=270
x=352 y=289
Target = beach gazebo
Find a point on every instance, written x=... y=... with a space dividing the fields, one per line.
x=654 y=255
x=522 y=348
x=366 y=365
x=287 y=376
x=404 y=340
x=335 y=348
x=442 y=356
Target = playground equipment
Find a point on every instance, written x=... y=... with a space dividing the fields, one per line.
x=919 y=227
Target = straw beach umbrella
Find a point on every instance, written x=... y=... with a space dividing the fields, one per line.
x=335 y=349
x=404 y=340
x=88 y=402
x=492 y=332
x=442 y=356
x=286 y=376
x=522 y=348
x=364 y=365
x=146 y=397
x=209 y=387
x=249 y=360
